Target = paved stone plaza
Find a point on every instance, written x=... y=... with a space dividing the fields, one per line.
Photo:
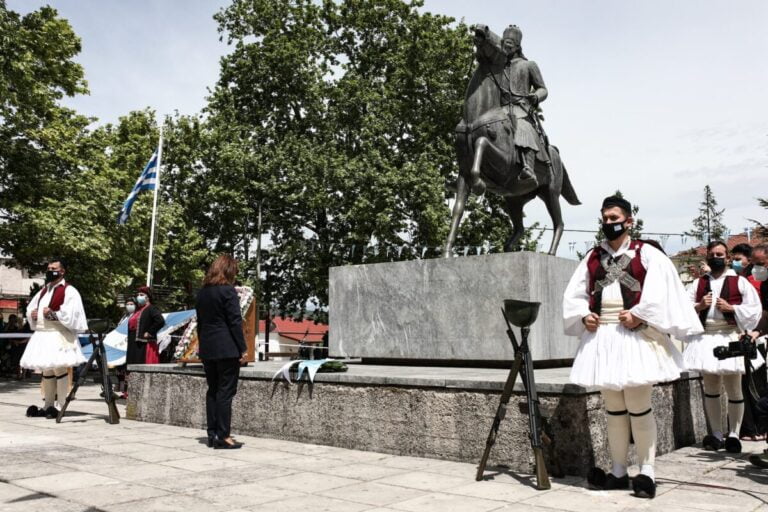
x=84 y=464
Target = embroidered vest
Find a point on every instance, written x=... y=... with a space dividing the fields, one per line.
x=730 y=292
x=58 y=297
x=597 y=273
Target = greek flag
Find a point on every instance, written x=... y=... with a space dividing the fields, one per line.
x=146 y=181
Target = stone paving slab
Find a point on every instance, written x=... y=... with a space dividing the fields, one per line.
x=85 y=464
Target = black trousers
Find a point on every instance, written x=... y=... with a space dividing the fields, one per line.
x=752 y=424
x=221 y=375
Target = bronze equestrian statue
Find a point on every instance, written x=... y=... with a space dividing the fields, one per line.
x=501 y=145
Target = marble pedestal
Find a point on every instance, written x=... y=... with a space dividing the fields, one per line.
x=447 y=309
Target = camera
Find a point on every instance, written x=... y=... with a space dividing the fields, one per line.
x=744 y=347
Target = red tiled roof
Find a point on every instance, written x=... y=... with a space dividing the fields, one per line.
x=296 y=330
x=9 y=304
x=732 y=242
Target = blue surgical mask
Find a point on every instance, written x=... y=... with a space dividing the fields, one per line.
x=737 y=266
x=141 y=300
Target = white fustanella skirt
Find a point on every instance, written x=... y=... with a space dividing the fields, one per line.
x=613 y=357
x=51 y=346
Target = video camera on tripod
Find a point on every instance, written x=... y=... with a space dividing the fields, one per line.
x=97 y=329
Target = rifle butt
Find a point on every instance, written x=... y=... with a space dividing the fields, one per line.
x=484 y=459
x=114 y=415
x=542 y=477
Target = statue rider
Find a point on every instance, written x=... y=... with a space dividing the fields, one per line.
x=523 y=89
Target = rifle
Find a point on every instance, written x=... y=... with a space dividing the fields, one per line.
x=540 y=434
x=97 y=329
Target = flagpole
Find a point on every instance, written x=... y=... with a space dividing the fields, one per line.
x=154 y=209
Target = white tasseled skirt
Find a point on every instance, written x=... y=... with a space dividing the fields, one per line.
x=698 y=354
x=614 y=357
x=51 y=346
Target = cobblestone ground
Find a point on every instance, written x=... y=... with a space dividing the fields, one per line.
x=85 y=464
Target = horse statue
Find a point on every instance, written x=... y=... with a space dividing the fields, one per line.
x=489 y=154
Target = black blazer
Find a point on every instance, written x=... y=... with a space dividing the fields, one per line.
x=150 y=321
x=219 y=323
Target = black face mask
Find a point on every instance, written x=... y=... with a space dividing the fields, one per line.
x=716 y=264
x=613 y=230
x=52 y=275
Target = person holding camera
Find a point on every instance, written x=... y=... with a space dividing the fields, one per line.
x=56 y=316
x=727 y=305
x=761 y=406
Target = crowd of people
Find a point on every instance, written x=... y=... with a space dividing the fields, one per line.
x=57 y=316
x=626 y=302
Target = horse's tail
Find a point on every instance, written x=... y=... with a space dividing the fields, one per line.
x=567 y=189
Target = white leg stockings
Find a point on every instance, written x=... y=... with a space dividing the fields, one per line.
x=618 y=430
x=629 y=411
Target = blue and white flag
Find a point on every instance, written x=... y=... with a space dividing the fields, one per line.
x=147 y=181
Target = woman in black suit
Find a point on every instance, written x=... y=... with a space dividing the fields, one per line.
x=222 y=347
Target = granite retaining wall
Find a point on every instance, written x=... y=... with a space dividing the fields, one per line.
x=400 y=412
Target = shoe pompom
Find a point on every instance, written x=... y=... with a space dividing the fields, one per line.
x=33 y=411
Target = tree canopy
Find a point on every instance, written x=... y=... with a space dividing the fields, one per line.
x=708 y=225
x=335 y=118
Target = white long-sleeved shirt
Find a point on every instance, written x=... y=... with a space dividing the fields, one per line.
x=747 y=313
x=71 y=314
x=663 y=304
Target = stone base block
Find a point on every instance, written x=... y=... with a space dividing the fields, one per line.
x=447 y=309
x=441 y=413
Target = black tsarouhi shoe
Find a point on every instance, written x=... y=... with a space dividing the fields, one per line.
x=712 y=443
x=599 y=480
x=732 y=444
x=644 y=486
x=34 y=411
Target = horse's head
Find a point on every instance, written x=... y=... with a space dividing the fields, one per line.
x=488 y=46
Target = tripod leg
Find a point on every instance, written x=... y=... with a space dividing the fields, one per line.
x=500 y=413
x=81 y=375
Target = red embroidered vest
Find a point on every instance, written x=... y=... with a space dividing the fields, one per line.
x=58 y=297
x=597 y=273
x=730 y=292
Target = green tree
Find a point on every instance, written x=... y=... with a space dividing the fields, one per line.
x=762 y=227
x=79 y=221
x=61 y=184
x=338 y=118
x=36 y=133
x=708 y=225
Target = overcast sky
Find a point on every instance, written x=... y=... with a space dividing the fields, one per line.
x=657 y=98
